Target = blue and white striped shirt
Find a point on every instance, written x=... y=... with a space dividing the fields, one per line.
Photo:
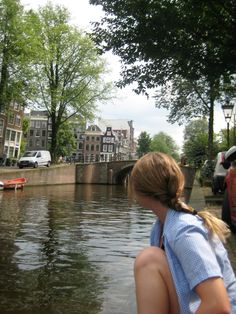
x=193 y=256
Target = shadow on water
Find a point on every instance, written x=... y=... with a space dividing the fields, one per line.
x=69 y=249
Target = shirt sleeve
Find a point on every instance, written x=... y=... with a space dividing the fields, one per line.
x=196 y=255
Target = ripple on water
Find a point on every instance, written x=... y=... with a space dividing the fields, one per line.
x=70 y=249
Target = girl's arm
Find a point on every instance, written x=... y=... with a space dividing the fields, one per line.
x=213 y=295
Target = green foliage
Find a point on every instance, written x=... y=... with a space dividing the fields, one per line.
x=12 y=52
x=66 y=140
x=196 y=141
x=67 y=72
x=164 y=143
x=25 y=127
x=144 y=142
x=183 y=46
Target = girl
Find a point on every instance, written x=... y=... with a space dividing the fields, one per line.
x=186 y=269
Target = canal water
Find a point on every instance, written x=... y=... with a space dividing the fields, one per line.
x=69 y=249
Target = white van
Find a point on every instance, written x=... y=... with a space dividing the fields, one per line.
x=35 y=158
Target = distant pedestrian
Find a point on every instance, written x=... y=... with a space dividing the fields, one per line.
x=186 y=270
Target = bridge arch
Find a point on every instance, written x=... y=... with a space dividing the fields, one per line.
x=120 y=176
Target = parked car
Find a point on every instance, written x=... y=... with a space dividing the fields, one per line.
x=220 y=169
x=35 y=159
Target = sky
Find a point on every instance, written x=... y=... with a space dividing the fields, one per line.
x=127 y=105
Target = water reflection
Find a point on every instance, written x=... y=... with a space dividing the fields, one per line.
x=69 y=249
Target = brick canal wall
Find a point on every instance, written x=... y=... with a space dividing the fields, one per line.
x=65 y=174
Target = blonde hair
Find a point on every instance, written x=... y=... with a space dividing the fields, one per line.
x=158 y=175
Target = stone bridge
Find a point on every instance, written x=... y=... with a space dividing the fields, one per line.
x=113 y=172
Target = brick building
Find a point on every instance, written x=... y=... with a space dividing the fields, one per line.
x=11 y=132
x=39 y=133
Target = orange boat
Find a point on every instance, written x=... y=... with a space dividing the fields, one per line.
x=17 y=183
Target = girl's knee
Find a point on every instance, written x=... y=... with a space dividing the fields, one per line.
x=150 y=257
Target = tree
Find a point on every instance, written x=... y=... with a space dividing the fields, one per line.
x=12 y=52
x=144 y=142
x=164 y=143
x=67 y=73
x=66 y=140
x=181 y=46
x=25 y=128
x=196 y=141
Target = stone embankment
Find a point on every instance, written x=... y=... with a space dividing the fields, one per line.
x=58 y=174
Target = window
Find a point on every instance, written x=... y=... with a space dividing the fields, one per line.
x=92 y=138
x=18 y=120
x=17 y=137
x=87 y=138
x=110 y=148
x=37 y=143
x=37 y=133
x=81 y=145
x=8 y=134
x=97 y=138
x=13 y=136
x=43 y=133
x=11 y=118
x=1 y=127
x=37 y=124
x=92 y=147
x=32 y=123
x=87 y=147
x=11 y=152
x=31 y=132
x=16 y=153
x=104 y=148
x=44 y=124
x=97 y=148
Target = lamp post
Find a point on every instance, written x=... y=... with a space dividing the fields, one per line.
x=227 y=110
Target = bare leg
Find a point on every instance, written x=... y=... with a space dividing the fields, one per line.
x=155 y=291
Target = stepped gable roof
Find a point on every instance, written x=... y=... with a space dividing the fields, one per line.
x=116 y=124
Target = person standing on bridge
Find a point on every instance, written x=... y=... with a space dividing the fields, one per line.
x=186 y=270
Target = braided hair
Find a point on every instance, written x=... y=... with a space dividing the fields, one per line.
x=159 y=176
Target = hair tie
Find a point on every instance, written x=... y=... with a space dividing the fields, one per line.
x=194 y=212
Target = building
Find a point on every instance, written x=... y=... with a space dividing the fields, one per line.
x=39 y=133
x=89 y=144
x=106 y=140
x=123 y=131
x=107 y=145
x=11 y=132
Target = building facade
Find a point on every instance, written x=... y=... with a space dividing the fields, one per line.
x=89 y=144
x=107 y=145
x=11 y=132
x=39 y=134
x=123 y=131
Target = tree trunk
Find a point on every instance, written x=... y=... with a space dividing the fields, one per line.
x=3 y=81
x=210 y=155
x=53 y=149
